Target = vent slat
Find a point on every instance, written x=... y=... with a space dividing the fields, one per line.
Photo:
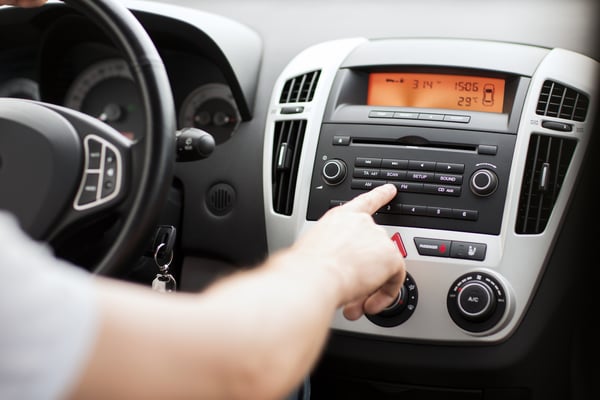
x=549 y=157
x=300 y=89
x=289 y=136
x=559 y=101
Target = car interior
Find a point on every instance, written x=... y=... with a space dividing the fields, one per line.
x=191 y=139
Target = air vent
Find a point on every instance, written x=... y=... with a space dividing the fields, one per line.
x=559 y=101
x=300 y=88
x=289 y=136
x=547 y=162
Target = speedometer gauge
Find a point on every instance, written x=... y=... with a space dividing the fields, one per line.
x=106 y=90
x=211 y=107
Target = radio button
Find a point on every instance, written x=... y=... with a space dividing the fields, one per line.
x=419 y=176
x=441 y=189
x=448 y=179
x=414 y=210
x=406 y=115
x=441 y=212
x=341 y=140
x=487 y=149
x=431 y=117
x=390 y=208
x=457 y=118
x=365 y=184
x=366 y=173
x=393 y=174
x=381 y=114
x=367 y=162
x=394 y=164
x=450 y=168
x=422 y=165
x=411 y=187
x=336 y=203
x=468 y=215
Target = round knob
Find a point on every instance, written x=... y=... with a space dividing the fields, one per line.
x=476 y=301
x=484 y=182
x=397 y=305
x=401 y=308
x=334 y=172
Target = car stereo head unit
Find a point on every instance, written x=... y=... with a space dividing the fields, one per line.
x=444 y=137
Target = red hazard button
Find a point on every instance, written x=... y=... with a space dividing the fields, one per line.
x=398 y=240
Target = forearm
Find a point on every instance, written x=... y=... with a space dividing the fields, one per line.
x=279 y=317
x=254 y=334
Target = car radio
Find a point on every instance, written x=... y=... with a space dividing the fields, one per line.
x=450 y=164
x=446 y=179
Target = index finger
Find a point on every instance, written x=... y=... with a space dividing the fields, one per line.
x=372 y=200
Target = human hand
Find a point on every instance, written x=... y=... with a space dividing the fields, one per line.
x=22 y=3
x=368 y=265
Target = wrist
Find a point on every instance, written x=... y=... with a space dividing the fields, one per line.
x=321 y=273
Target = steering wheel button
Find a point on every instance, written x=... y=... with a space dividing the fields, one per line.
x=89 y=189
x=110 y=159
x=94 y=154
x=108 y=187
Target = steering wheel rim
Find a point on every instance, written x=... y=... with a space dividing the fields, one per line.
x=149 y=193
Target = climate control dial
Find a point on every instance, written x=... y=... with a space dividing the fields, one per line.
x=401 y=308
x=476 y=302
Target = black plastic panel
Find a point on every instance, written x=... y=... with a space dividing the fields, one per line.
x=465 y=212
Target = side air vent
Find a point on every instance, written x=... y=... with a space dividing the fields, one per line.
x=289 y=136
x=300 y=88
x=559 y=101
x=547 y=162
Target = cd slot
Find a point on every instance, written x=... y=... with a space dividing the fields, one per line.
x=414 y=142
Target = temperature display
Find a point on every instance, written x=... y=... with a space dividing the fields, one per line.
x=456 y=92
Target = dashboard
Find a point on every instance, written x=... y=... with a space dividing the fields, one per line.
x=85 y=72
x=487 y=128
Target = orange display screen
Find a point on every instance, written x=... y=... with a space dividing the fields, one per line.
x=455 y=92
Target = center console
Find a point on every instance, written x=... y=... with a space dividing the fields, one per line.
x=483 y=140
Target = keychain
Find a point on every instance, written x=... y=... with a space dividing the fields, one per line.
x=164 y=281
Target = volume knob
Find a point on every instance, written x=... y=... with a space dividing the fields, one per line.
x=484 y=182
x=334 y=172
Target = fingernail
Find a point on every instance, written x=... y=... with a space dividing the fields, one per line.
x=390 y=187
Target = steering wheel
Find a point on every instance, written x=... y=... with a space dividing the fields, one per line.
x=60 y=168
